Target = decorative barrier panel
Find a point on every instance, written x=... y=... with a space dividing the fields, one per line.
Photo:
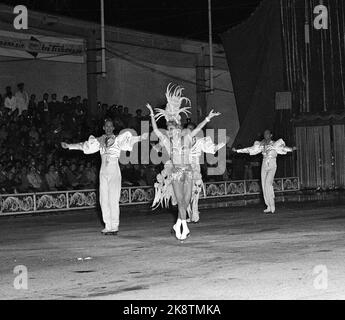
x=84 y=199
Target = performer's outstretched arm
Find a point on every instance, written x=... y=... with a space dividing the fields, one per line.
x=203 y=124
x=281 y=148
x=255 y=149
x=159 y=134
x=136 y=139
x=88 y=147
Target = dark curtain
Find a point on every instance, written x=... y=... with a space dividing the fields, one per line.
x=314 y=59
x=255 y=57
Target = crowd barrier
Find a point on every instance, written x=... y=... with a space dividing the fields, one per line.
x=14 y=204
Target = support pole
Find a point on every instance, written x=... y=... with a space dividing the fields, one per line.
x=103 y=71
x=210 y=44
x=201 y=87
x=91 y=69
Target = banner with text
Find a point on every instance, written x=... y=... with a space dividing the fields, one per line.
x=29 y=46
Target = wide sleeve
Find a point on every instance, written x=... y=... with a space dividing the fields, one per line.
x=280 y=147
x=88 y=147
x=255 y=149
x=206 y=145
x=126 y=141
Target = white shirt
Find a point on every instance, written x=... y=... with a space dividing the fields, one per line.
x=11 y=103
x=109 y=148
x=22 y=101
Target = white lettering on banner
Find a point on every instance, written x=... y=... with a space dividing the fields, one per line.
x=321 y=20
x=21 y=20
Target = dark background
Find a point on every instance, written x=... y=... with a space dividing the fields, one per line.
x=186 y=19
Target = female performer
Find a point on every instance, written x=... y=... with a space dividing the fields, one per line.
x=110 y=147
x=178 y=145
x=269 y=149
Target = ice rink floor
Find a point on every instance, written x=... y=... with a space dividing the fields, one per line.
x=233 y=253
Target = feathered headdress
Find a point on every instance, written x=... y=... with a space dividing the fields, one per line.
x=173 y=107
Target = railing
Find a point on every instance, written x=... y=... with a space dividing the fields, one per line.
x=13 y=204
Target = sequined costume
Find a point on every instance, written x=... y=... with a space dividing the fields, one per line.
x=270 y=152
x=110 y=148
x=163 y=188
x=176 y=182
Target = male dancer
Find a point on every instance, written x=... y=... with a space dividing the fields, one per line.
x=269 y=149
x=110 y=147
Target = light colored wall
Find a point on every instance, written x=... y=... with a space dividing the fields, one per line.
x=135 y=83
x=223 y=101
x=135 y=76
x=44 y=76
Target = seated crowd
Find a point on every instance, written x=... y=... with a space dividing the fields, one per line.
x=31 y=159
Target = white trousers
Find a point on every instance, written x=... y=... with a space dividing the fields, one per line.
x=268 y=170
x=109 y=194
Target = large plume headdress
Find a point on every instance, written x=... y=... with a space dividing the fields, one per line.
x=173 y=106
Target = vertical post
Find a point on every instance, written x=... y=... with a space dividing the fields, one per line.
x=103 y=71
x=210 y=45
x=91 y=68
x=35 y=202
x=200 y=86
x=283 y=184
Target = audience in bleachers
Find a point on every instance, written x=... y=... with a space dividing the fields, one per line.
x=31 y=159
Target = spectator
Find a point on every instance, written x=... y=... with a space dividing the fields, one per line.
x=142 y=176
x=126 y=117
x=34 y=179
x=10 y=100
x=22 y=98
x=54 y=106
x=11 y=180
x=43 y=108
x=32 y=108
x=120 y=111
x=82 y=177
x=23 y=187
x=65 y=106
x=136 y=121
x=53 y=179
x=91 y=175
x=69 y=180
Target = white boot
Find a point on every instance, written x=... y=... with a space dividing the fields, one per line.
x=185 y=230
x=177 y=229
x=268 y=210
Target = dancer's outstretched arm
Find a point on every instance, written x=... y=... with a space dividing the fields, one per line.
x=211 y=115
x=255 y=149
x=136 y=139
x=88 y=147
x=281 y=148
x=159 y=134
